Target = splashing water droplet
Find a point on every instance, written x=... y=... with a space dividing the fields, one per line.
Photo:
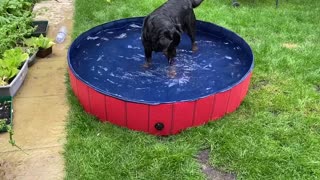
x=121 y=36
x=135 y=26
x=105 y=39
x=228 y=57
x=100 y=58
x=92 y=38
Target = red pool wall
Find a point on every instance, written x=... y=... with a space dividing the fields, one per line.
x=175 y=116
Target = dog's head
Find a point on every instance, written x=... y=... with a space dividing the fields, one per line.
x=168 y=42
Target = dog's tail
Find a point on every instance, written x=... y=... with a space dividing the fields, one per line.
x=196 y=3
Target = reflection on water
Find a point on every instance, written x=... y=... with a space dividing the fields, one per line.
x=112 y=61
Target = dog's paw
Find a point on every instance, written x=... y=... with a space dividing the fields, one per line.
x=194 y=48
x=146 y=65
x=172 y=72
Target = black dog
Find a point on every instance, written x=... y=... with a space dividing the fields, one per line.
x=162 y=29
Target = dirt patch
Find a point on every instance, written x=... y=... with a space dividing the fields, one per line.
x=54 y=11
x=260 y=84
x=318 y=88
x=6 y=170
x=211 y=172
x=290 y=45
x=275 y=112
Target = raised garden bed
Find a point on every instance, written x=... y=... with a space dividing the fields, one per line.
x=15 y=84
x=6 y=111
x=32 y=59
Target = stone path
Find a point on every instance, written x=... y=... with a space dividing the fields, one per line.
x=40 y=108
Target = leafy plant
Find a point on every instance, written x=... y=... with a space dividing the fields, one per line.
x=15 y=57
x=3 y=125
x=15 y=22
x=9 y=65
x=40 y=42
x=6 y=74
x=29 y=48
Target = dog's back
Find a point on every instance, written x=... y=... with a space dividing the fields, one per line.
x=163 y=27
x=171 y=14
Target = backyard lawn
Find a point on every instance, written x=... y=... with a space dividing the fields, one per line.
x=275 y=134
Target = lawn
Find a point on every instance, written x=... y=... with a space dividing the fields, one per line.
x=275 y=134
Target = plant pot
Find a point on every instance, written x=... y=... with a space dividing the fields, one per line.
x=42 y=53
x=6 y=111
x=42 y=28
x=14 y=86
x=32 y=59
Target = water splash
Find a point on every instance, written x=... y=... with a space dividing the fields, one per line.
x=133 y=47
x=135 y=26
x=228 y=57
x=92 y=38
x=104 y=68
x=105 y=39
x=100 y=57
x=121 y=36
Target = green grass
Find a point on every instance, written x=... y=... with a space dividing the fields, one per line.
x=275 y=134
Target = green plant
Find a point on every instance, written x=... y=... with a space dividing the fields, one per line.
x=30 y=50
x=9 y=65
x=39 y=42
x=3 y=125
x=8 y=128
x=15 y=22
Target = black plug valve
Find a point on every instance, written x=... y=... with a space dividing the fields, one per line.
x=159 y=126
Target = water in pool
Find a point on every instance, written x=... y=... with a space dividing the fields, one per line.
x=111 y=61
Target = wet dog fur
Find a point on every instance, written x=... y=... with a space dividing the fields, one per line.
x=162 y=29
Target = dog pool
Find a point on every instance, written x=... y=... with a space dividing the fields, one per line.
x=107 y=75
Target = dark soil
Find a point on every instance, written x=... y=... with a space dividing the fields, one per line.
x=5 y=111
x=211 y=172
x=41 y=28
x=260 y=84
x=318 y=88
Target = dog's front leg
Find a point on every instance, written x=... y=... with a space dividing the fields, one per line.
x=172 y=52
x=148 y=56
x=170 y=60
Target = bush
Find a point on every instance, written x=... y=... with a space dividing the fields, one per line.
x=15 y=22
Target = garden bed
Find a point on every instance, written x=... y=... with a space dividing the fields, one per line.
x=16 y=82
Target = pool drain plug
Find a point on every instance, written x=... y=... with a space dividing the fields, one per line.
x=159 y=126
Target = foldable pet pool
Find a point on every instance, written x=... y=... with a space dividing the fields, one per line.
x=107 y=75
